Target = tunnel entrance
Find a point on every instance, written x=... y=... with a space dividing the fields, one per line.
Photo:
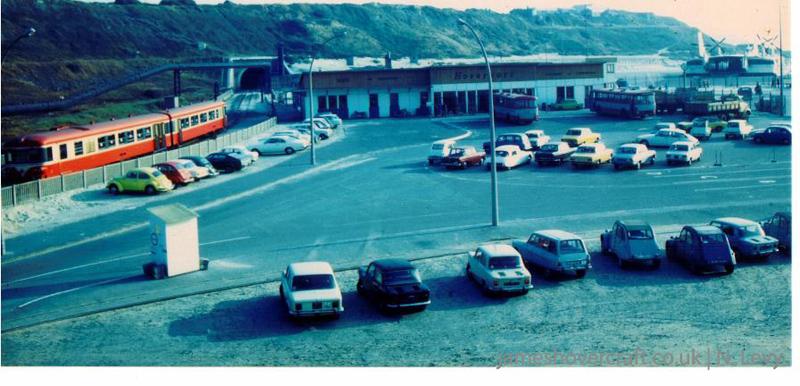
x=253 y=79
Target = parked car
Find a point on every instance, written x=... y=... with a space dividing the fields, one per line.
x=439 y=150
x=198 y=172
x=664 y=125
x=684 y=153
x=176 y=171
x=746 y=237
x=665 y=138
x=779 y=226
x=537 y=138
x=737 y=129
x=249 y=157
x=321 y=133
x=303 y=137
x=278 y=145
x=715 y=123
x=580 y=135
x=685 y=126
x=702 y=249
x=566 y=104
x=520 y=140
x=591 y=154
x=319 y=123
x=632 y=243
x=700 y=129
x=147 y=180
x=463 y=157
x=633 y=155
x=332 y=119
x=498 y=268
x=310 y=289
x=773 y=135
x=554 y=153
x=201 y=161
x=511 y=156
x=555 y=251
x=226 y=162
x=394 y=284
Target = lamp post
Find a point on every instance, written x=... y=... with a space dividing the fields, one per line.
x=26 y=34
x=311 y=96
x=492 y=132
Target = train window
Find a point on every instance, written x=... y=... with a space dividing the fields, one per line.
x=125 y=137
x=106 y=141
x=203 y=117
x=211 y=115
x=195 y=120
x=63 y=152
x=143 y=133
x=48 y=154
x=184 y=123
x=78 y=148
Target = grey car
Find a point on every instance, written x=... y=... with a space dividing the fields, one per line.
x=746 y=237
x=632 y=242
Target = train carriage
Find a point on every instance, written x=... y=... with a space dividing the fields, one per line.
x=75 y=148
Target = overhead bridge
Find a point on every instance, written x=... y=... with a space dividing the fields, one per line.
x=105 y=87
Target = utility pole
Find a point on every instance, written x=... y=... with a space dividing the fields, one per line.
x=780 y=50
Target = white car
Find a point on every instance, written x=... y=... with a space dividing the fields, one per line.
x=319 y=123
x=278 y=145
x=310 y=289
x=633 y=155
x=332 y=118
x=737 y=129
x=247 y=156
x=198 y=172
x=511 y=156
x=700 y=130
x=684 y=153
x=538 y=138
x=665 y=138
x=293 y=133
x=439 y=150
x=498 y=268
x=322 y=133
x=665 y=125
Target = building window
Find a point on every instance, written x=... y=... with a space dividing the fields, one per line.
x=63 y=153
x=143 y=133
x=570 y=92
x=322 y=103
x=195 y=120
x=78 y=147
x=610 y=68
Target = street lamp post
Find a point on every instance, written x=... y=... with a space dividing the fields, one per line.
x=311 y=97
x=11 y=45
x=492 y=132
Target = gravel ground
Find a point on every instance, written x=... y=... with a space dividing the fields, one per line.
x=609 y=318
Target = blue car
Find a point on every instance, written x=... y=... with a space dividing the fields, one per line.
x=702 y=249
x=780 y=135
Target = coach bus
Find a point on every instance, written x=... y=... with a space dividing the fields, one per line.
x=516 y=108
x=630 y=103
x=75 y=148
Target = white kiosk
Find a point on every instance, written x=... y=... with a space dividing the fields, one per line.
x=174 y=242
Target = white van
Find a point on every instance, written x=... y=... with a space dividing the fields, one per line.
x=439 y=150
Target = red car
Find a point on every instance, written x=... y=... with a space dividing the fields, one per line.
x=462 y=157
x=176 y=172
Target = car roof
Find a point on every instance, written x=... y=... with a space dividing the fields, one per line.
x=682 y=143
x=147 y=170
x=499 y=250
x=738 y=221
x=534 y=131
x=673 y=130
x=590 y=145
x=557 y=234
x=392 y=264
x=634 y=223
x=507 y=147
x=637 y=145
x=310 y=268
x=170 y=163
x=578 y=128
x=706 y=229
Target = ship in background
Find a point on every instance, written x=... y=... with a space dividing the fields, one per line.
x=760 y=64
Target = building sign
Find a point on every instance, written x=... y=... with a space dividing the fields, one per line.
x=510 y=72
x=406 y=78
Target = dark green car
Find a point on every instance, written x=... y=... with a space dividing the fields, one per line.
x=567 y=104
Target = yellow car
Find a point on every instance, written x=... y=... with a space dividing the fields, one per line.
x=147 y=180
x=580 y=135
x=591 y=154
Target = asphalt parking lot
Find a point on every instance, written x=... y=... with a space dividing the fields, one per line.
x=373 y=195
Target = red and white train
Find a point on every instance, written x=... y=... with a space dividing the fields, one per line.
x=75 y=148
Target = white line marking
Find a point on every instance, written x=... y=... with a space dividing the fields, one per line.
x=69 y=290
x=766 y=181
x=741 y=187
x=708 y=177
x=226 y=240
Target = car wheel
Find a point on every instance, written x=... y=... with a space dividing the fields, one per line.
x=289 y=150
x=622 y=263
x=729 y=268
x=149 y=189
x=757 y=140
x=616 y=167
x=430 y=162
x=656 y=264
x=257 y=152
x=360 y=288
x=113 y=189
x=580 y=273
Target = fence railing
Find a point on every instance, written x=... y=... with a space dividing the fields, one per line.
x=36 y=190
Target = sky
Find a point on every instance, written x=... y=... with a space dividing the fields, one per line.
x=736 y=20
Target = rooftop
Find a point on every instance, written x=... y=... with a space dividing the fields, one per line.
x=392 y=264
x=558 y=234
x=310 y=268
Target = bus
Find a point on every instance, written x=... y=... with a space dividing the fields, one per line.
x=630 y=103
x=516 y=108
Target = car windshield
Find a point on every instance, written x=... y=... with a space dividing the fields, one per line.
x=501 y=153
x=752 y=230
x=643 y=233
x=533 y=135
x=571 y=246
x=680 y=148
x=627 y=150
x=504 y=262
x=550 y=148
x=713 y=238
x=312 y=282
x=573 y=132
x=456 y=152
x=401 y=276
x=585 y=149
x=156 y=173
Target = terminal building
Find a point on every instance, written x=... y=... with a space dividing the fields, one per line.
x=442 y=89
